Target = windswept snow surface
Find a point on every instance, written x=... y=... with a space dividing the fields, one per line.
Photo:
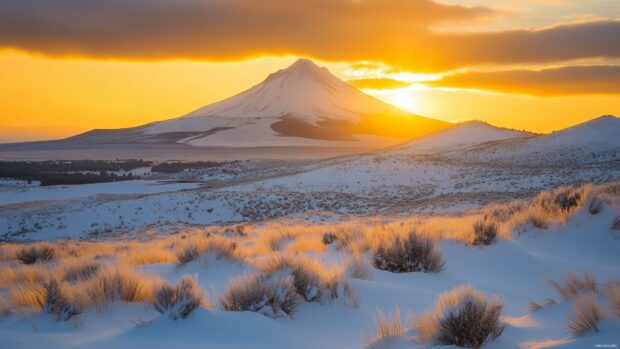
x=396 y=181
x=15 y=194
x=512 y=269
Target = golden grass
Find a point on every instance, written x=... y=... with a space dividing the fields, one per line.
x=573 y=285
x=388 y=326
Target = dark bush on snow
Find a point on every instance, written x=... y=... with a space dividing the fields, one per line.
x=178 y=301
x=415 y=253
x=464 y=317
x=39 y=253
x=57 y=303
x=485 y=231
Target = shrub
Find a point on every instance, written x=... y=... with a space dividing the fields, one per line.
x=179 y=301
x=588 y=313
x=595 y=205
x=37 y=253
x=359 y=268
x=329 y=238
x=464 y=317
x=573 y=285
x=273 y=296
x=57 y=303
x=485 y=231
x=316 y=284
x=415 y=253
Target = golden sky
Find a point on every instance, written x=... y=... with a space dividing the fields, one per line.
x=73 y=65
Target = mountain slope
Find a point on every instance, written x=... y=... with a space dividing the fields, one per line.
x=300 y=105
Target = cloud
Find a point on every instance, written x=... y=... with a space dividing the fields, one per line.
x=570 y=80
x=395 y=32
x=378 y=83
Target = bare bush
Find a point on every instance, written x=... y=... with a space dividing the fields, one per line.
x=595 y=205
x=464 y=317
x=416 y=253
x=179 y=301
x=588 y=313
x=573 y=285
x=57 y=303
x=329 y=238
x=485 y=231
x=273 y=296
x=37 y=253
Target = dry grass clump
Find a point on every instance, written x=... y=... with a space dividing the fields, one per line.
x=150 y=255
x=588 y=313
x=38 y=253
x=388 y=326
x=5 y=306
x=414 y=253
x=613 y=295
x=314 y=283
x=196 y=246
x=80 y=270
x=595 y=205
x=28 y=295
x=270 y=295
x=464 y=317
x=307 y=243
x=485 y=231
x=574 y=285
x=359 y=268
x=180 y=300
x=115 y=283
x=58 y=303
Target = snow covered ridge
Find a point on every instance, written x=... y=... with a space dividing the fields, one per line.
x=288 y=285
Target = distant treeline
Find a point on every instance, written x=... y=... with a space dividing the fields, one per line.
x=176 y=167
x=70 y=172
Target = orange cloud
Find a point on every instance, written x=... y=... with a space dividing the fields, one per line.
x=571 y=80
x=378 y=83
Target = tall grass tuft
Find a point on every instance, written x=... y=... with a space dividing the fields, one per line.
x=574 y=285
x=588 y=313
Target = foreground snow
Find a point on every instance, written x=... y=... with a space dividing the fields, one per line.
x=513 y=269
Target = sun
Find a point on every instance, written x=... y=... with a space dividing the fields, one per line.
x=403 y=98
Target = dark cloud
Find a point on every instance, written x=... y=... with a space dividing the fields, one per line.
x=378 y=84
x=600 y=79
x=395 y=32
x=217 y=29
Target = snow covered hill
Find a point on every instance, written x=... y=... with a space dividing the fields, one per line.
x=468 y=134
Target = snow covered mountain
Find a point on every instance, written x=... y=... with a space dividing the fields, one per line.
x=300 y=106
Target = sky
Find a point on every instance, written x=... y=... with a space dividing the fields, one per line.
x=68 y=66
